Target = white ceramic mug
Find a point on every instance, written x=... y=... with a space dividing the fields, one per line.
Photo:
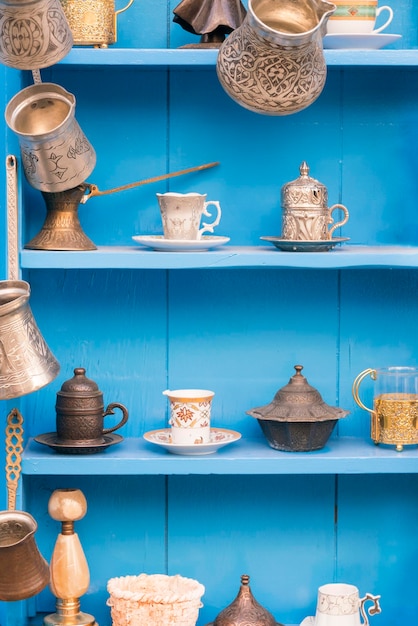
x=190 y=415
x=339 y=604
x=357 y=17
x=181 y=214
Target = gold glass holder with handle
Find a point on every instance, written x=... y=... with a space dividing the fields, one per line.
x=394 y=416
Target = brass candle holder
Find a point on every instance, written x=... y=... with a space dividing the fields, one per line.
x=70 y=576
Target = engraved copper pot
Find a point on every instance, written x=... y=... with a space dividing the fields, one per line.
x=245 y=610
x=23 y=570
x=26 y=363
x=274 y=62
x=93 y=22
x=80 y=411
x=33 y=33
x=297 y=419
x=56 y=154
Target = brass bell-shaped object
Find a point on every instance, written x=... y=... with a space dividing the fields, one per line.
x=62 y=229
x=245 y=610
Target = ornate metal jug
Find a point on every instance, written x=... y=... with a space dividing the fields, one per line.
x=274 y=62
x=26 y=363
x=56 y=154
x=33 y=33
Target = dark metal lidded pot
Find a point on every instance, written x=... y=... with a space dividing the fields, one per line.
x=245 y=610
x=80 y=411
x=297 y=419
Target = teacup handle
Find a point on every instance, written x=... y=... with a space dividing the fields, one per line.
x=356 y=386
x=338 y=224
x=209 y=227
x=372 y=610
x=110 y=411
x=388 y=21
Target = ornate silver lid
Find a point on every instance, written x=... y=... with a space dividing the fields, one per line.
x=297 y=402
x=304 y=192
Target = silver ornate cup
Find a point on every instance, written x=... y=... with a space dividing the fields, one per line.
x=33 y=33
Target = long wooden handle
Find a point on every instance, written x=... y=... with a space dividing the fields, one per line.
x=14 y=449
x=95 y=191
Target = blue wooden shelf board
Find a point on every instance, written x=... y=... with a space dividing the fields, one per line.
x=134 y=456
x=345 y=256
x=198 y=58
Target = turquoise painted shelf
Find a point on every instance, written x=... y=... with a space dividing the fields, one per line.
x=134 y=456
x=130 y=257
x=180 y=57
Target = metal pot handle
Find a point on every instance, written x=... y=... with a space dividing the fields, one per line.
x=110 y=411
x=356 y=385
x=14 y=449
x=338 y=224
x=124 y=8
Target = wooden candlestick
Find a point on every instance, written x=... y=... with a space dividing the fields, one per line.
x=70 y=576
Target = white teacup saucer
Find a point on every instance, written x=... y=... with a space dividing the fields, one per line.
x=366 y=41
x=219 y=437
x=158 y=242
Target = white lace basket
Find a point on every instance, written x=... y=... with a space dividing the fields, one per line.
x=154 y=600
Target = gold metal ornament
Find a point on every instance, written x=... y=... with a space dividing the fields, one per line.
x=93 y=22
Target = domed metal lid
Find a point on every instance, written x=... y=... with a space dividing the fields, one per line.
x=79 y=384
x=297 y=402
x=304 y=192
x=245 y=610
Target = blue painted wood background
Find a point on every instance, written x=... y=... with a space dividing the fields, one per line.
x=238 y=332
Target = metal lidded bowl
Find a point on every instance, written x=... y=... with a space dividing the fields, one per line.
x=297 y=419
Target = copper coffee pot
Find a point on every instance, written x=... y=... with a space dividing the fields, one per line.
x=23 y=570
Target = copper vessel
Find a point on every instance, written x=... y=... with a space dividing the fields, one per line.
x=245 y=610
x=297 y=419
x=26 y=363
x=23 y=570
x=80 y=411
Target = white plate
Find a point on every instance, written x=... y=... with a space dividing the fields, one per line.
x=158 y=242
x=358 y=42
x=219 y=437
x=308 y=621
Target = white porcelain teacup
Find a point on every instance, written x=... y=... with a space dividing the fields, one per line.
x=181 y=214
x=357 y=17
x=339 y=604
x=190 y=411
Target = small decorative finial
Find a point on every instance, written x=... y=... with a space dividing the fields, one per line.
x=304 y=169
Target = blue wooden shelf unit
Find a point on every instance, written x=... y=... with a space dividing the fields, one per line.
x=235 y=319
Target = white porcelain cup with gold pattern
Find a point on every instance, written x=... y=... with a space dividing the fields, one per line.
x=190 y=411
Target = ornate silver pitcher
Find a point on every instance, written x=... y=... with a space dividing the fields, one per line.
x=274 y=62
x=26 y=363
x=33 y=33
x=56 y=154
